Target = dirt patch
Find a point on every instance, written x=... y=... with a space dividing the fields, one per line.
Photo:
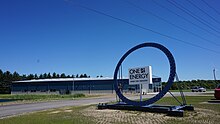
x=54 y=112
x=68 y=110
x=61 y=110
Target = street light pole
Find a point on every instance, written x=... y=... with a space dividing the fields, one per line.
x=214 y=74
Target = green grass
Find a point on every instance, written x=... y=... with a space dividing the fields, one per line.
x=182 y=90
x=189 y=99
x=195 y=117
x=189 y=90
x=48 y=117
x=41 y=97
x=76 y=117
x=196 y=101
x=28 y=98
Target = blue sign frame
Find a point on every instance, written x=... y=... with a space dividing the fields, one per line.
x=161 y=93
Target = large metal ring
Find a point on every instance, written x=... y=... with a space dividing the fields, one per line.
x=161 y=93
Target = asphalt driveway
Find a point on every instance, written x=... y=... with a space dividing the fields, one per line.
x=16 y=109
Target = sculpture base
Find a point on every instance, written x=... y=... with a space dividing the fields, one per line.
x=177 y=111
x=214 y=101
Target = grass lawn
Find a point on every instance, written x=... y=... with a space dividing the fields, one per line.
x=189 y=90
x=66 y=115
x=196 y=101
x=182 y=90
x=204 y=113
x=39 y=97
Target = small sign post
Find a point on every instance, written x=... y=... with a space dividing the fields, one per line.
x=141 y=75
x=140 y=85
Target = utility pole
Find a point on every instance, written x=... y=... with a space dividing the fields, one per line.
x=214 y=74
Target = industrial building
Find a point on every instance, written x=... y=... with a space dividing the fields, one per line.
x=78 y=85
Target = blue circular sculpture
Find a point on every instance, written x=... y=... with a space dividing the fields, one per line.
x=161 y=93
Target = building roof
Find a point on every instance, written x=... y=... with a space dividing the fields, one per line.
x=67 y=79
x=61 y=79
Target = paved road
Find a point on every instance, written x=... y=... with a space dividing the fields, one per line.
x=10 y=110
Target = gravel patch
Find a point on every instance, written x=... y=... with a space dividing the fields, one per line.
x=117 y=116
x=106 y=116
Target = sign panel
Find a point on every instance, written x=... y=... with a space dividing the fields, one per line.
x=141 y=75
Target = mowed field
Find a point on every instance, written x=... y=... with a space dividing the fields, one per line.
x=205 y=113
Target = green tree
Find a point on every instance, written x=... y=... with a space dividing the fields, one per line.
x=58 y=75
x=48 y=75
x=85 y=76
x=35 y=76
x=41 y=76
x=24 y=77
x=1 y=75
x=63 y=75
x=54 y=75
x=81 y=76
x=16 y=76
x=30 y=76
x=44 y=75
x=5 y=85
x=7 y=76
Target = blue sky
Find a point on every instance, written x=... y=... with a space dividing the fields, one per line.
x=39 y=36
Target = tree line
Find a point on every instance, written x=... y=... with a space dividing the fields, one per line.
x=7 y=77
x=185 y=85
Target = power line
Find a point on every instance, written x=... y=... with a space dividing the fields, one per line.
x=203 y=11
x=150 y=13
x=187 y=20
x=144 y=28
x=211 y=7
x=196 y=16
x=192 y=15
